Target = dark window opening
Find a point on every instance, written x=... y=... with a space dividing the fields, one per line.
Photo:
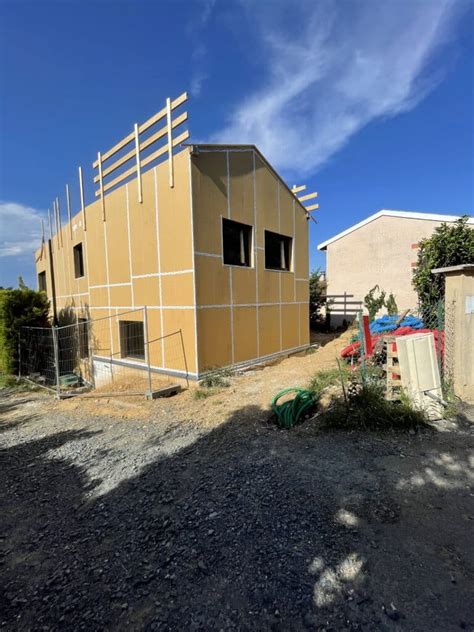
x=277 y=251
x=132 y=339
x=42 y=281
x=237 y=240
x=78 y=261
x=83 y=338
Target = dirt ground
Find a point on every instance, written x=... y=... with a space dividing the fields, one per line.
x=190 y=514
x=254 y=387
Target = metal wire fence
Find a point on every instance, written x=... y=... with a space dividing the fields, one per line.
x=112 y=355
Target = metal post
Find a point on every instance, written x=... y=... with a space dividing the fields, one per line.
x=56 y=360
x=91 y=356
x=184 y=356
x=147 y=349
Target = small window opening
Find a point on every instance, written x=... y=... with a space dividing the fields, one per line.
x=237 y=239
x=132 y=339
x=42 y=281
x=78 y=261
x=277 y=251
x=83 y=338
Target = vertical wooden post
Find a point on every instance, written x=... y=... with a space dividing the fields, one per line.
x=58 y=211
x=50 y=225
x=81 y=191
x=137 y=155
x=101 y=185
x=68 y=202
x=170 y=142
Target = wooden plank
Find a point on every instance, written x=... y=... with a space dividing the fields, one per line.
x=313 y=207
x=298 y=189
x=170 y=143
x=142 y=128
x=50 y=225
x=139 y=173
x=146 y=161
x=101 y=184
x=81 y=191
x=308 y=196
x=149 y=141
x=162 y=113
x=68 y=203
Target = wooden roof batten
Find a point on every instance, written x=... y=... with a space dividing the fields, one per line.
x=105 y=167
x=304 y=198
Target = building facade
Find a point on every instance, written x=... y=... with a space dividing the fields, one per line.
x=220 y=253
x=381 y=250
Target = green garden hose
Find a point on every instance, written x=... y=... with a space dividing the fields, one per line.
x=290 y=411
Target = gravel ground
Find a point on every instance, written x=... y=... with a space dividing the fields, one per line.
x=167 y=524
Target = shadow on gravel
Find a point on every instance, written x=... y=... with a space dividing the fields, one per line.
x=249 y=528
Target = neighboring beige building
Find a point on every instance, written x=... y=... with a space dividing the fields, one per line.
x=211 y=240
x=381 y=250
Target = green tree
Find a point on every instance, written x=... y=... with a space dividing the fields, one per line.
x=19 y=308
x=450 y=245
x=317 y=296
x=391 y=305
x=373 y=303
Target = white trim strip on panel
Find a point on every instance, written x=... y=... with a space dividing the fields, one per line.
x=129 y=242
x=158 y=254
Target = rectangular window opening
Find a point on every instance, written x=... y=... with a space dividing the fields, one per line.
x=83 y=338
x=132 y=339
x=237 y=241
x=78 y=261
x=42 y=281
x=277 y=251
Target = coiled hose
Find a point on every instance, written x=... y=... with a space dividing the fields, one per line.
x=290 y=411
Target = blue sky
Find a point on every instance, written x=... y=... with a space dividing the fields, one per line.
x=370 y=103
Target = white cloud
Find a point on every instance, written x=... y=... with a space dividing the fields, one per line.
x=333 y=68
x=20 y=229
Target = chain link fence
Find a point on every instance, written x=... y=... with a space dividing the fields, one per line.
x=107 y=356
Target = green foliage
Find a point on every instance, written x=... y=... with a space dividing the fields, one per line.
x=317 y=293
x=204 y=393
x=19 y=308
x=365 y=408
x=12 y=383
x=216 y=378
x=450 y=245
x=373 y=303
x=391 y=305
x=323 y=379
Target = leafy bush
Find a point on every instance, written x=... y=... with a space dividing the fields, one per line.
x=216 y=378
x=373 y=303
x=19 y=308
x=366 y=408
x=450 y=245
x=391 y=305
x=317 y=297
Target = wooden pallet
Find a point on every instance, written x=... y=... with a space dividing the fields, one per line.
x=392 y=370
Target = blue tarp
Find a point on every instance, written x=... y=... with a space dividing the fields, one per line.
x=387 y=323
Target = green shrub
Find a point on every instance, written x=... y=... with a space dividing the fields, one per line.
x=450 y=245
x=366 y=408
x=216 y=377
x=323 y=379
x=203 y=393
x=19 y=308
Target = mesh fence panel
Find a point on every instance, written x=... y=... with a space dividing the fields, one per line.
x=113 y=355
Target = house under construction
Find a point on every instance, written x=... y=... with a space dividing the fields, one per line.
x=208 y=237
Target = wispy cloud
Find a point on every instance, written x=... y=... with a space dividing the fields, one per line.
x=199 y=51
x=331 y=70
x=20 y=231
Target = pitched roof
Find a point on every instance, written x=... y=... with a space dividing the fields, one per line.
x=433 y=217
